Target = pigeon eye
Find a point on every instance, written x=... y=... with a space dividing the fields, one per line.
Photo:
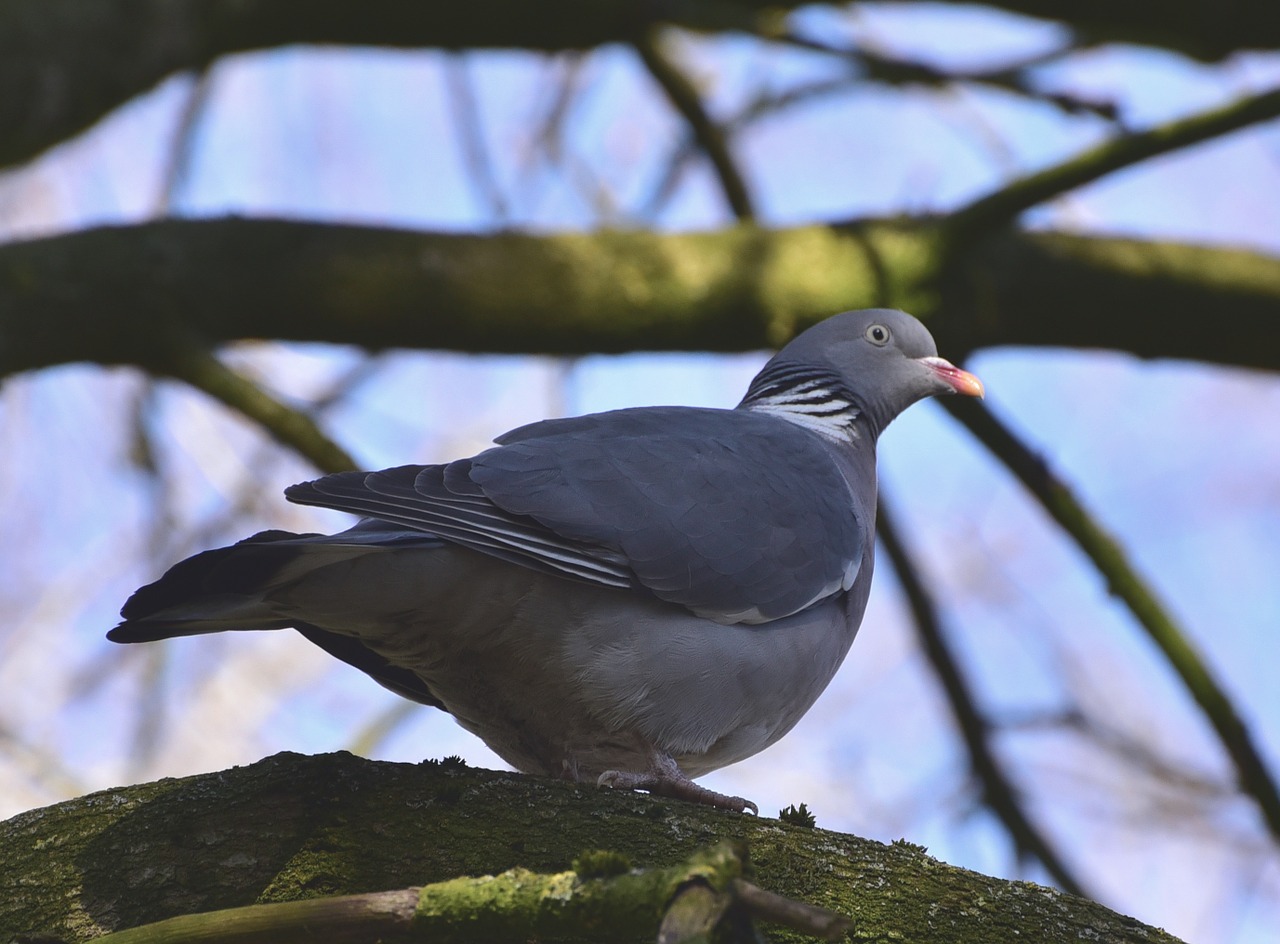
x=878 y=335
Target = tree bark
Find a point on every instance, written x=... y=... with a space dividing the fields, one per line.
x=293 y=827
x=138 y=294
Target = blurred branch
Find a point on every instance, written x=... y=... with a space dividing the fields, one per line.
x=292 y=428
x=1198 y=28
x=44 y=767
x=763 y=105
x=1003 y=206
x=475 y=153
x=547 y=142
x=182 y=148
x=1016 y=77
x=79 y=61
x=375 y=732
x=1254 y=779
x=998 y=791
x=710 y=137
x=112 y=295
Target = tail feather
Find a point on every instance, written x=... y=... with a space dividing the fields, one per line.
x=231 y=588
x=212 y=591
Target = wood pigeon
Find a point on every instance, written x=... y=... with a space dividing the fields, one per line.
x=634 y=598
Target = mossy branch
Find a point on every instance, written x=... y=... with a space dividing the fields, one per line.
x=301 y=827
x=1254 y=778
x=108 y=295
x=515 y=906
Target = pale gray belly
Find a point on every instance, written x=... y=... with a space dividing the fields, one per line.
x=564 y=678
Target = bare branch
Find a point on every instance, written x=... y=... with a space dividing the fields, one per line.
x=475 y=152
x=65 y=64
x=1254 y=778
x=290 y=427
x=181 y=150
x=999 y=793
x=710 y=136
x=80 y=61
x=1003 y=206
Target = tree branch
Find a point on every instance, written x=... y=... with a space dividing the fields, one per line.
x=298 y=827
x=516 y=906
x=1253 y=777
x=288 y=426
x=113 y=295
x=1003 y=206
x=346 y=919
x=1199 y=28
x=65 y=63
x=998 y=791
x=710 y=136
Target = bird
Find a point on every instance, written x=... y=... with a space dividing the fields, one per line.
x=632 y=598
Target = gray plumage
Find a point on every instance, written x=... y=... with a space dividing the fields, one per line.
x=633 y=597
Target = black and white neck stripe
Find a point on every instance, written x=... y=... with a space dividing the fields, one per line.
x=811 y=397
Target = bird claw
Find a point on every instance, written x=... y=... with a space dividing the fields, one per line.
x=665 y=778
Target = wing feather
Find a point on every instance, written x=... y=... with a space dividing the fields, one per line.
x=737 y=516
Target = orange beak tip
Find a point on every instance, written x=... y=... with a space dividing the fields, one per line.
x=960 y=381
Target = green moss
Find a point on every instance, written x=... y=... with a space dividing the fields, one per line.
x=295 y=827
x=797 y=816
x=600 y=863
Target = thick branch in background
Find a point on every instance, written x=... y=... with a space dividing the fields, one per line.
x=1205 y=29
x=298 y=827
x=128 y=295
x=64 y=64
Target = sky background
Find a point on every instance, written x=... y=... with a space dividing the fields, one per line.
x=1181 y=462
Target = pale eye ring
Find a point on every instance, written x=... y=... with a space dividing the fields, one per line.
x=878 y=335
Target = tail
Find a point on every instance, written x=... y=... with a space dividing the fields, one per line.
x=231 y=588
x=213 y=591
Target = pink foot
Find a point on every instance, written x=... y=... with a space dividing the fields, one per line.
x=665 y=778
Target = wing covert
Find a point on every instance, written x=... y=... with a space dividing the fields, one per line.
x=735 y=516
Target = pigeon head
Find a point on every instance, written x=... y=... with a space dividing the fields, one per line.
x=884 y=360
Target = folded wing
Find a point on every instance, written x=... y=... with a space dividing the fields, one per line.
x=738 y=517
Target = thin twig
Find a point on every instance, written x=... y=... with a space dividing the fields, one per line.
x=346 y=919
x=475 y=152
x=685 y=99
x=1003 y=206
x=181 y=154
x=1254 y=778
x=998 y=791
x=201 y=369
x=1014 y=77
x=761 y=106
x=797 y=915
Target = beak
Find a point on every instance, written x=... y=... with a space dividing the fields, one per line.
x=960 y=381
